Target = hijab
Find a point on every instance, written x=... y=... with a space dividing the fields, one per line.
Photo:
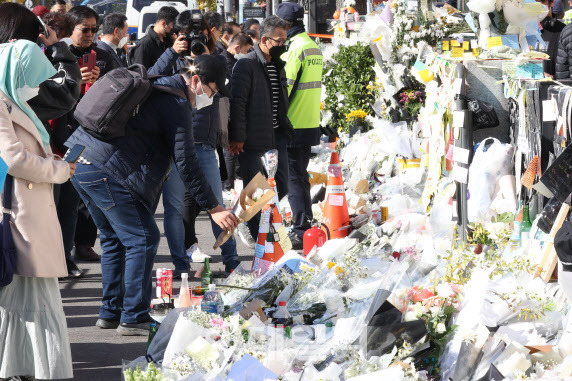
x=24 y=64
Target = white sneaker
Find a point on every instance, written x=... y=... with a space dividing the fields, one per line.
x=245 y=236
x=196 y=255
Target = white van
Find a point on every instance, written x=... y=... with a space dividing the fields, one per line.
x=143 y=13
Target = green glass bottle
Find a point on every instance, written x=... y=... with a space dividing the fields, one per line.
x=525 y=226
x=152 y=332
x=207 y=275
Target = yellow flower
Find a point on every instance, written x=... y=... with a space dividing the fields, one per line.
x=322 y=106
x=356 y=114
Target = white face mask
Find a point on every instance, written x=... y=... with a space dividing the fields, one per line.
x=238 y=56
x=202 y=100
x=26 y=93
x=122 y=42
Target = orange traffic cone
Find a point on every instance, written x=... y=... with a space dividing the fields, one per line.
x=272 y=240
x=336 y=213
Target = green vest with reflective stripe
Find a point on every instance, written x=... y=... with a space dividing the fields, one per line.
x=567 y=17
x=304 y=61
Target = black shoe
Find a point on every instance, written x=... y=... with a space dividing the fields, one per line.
x=73 y=270
x=297 y=243
x=107 y=324
x=137 y=329
x=177 y=272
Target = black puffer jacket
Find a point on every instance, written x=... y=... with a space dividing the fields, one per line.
x=251 y=104
x=564 y=57
x=141 y=162
x=59 y=94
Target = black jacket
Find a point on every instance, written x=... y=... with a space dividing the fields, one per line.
x=118 y=61
x=148 y=49
x=251 y=104
x=219 y=48
x=230 y=62
x=141 y=162
x=65 y=125
x=564 y=57
x=551 y=29
x=59 y=94
x=206 y=121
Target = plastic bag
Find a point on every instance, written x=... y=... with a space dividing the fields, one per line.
x=484 y=173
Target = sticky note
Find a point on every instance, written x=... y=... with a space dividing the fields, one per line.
x=458 y=118
x=530 y=71
x=549 y=112
x=336 y=200
x=510 y=40
x=457 y=52
x=449 y=154
x=460 y=174
x=461 y=155
x=259 y=251
x=455 y=43
x=474 y=44
x=446 y=45
x=466 y=45
x=509 y=69
x=457 y=85
x=493 y=41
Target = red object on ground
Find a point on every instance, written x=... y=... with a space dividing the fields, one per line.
x=314 y=237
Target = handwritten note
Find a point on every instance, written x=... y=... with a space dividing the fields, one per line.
x=509 y=69
x=530 y=71
x=457 y=52
x=493 y=41
x=460 y=174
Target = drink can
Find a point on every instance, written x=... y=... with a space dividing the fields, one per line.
x=384 y=214
x=167 y=283
x=158 y=287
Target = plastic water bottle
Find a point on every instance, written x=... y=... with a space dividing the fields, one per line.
x=212 y=301
x=282 y=318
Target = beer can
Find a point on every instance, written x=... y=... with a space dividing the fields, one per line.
x=167 y=283
x=384 y=214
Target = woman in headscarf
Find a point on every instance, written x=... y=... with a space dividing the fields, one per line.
x=33 y=334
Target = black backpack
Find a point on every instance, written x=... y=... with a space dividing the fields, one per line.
x=114 y=99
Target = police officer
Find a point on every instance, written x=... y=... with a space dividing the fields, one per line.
x=304 y=72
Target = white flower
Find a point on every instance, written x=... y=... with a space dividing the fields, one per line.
x=441 y=328
x=435 y=310
x=410 y=316
x=444 y=290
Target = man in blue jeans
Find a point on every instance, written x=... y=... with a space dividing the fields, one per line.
x=205 y=126
x=121 y=180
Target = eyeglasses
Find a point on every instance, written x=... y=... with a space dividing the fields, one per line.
x=93 y=30
x=280 y=43
x=213 y=93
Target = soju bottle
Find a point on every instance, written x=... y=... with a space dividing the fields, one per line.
x=207 y=276
x=525 y=226
x=152 y=332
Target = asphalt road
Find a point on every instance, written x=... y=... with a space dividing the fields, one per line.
x=97 y=353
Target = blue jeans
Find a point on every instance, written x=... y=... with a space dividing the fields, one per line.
x=209 y=165
x=129 y=240
x=173 y=202
x=174 y=199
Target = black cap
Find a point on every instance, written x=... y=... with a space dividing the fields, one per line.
x=212 y=69
x=563 y=245
x=290 y=12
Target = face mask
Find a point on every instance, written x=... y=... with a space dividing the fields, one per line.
x=238 y=56
x=277 y=51
x=26 y=93
x=202 y=100
x=122 y=42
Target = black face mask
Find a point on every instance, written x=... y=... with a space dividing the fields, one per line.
x=275 y=52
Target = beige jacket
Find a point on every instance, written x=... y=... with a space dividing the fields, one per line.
x=35 y=225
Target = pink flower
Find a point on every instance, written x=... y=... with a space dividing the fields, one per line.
x=421 y=295
x=219 y=323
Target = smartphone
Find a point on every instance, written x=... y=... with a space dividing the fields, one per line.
x=44 y=28
x=88 y=60
x=75 y=153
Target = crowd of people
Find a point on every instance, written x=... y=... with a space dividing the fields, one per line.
x=222 y=95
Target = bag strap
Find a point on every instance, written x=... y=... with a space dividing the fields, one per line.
x=7 y=196
x=172 y=91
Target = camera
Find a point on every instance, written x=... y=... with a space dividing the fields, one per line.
x=195 y=37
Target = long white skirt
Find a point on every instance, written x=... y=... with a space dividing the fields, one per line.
x=33 y=331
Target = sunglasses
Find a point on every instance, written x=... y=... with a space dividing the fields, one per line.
x=93 y=30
